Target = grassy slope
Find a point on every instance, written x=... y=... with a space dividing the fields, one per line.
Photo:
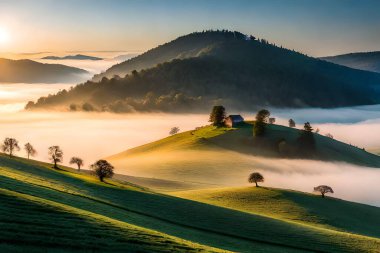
x=61 y=209
x=293 y=206
x=204 y=158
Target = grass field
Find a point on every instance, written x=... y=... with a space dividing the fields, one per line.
x=61 y=210
x=220 y=157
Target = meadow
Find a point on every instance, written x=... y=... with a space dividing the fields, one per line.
x=116 y=215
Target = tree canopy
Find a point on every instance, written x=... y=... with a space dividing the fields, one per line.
x=217 y=115
x=103 y=169
x=10 y=145
x=29 y=149
x=56 y=155
x=255 y=177
x=323 y=189
x=261 y=121
x=78 y=161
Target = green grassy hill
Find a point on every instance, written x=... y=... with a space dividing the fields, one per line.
x=215 y=157
x=43 y=209
x=293 y=206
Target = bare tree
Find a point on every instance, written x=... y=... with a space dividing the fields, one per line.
x=174 y=130
x=56 y=155
x=323 y=189
x=102 y=169
x=10 y=145
x=255 y=177
x=29 y=149
x=292 y=123
x=329 y=136
x=78 y=161
x=317 y=131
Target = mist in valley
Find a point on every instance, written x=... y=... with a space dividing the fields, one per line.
x=97 y=135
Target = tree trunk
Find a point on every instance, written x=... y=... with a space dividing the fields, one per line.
x=28 y=156
x=55 y=164
x=78 y=167
x=101 y=179
x=323 y=195
x=256 y=184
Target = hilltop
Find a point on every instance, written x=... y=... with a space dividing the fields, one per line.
x=199 y=70
x=73 y=57
x=212 y=157
x=369 y=61
x=28 y=71
x=44 y=209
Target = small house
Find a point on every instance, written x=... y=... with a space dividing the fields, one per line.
x=233 y=120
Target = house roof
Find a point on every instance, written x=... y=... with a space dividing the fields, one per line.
x=236 y=117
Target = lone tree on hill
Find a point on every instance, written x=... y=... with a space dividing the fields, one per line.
x=102 y=169
x=29 y=149
x=56 y=155
x=272 y=120
x=292 y=123
x=174 y=130
x=217 y=115
x=10 y=145
x=78 y=161
x=323 y=189
x=306 y=141
x=255 y=177
x=259 y=126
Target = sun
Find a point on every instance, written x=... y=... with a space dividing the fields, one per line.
x=4 y=36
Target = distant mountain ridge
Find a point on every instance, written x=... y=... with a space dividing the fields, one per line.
x=28 y=71
x=199 y=70
x=73 y=57
x=369 y=61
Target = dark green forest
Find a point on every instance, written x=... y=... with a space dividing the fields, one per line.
x=219 y=67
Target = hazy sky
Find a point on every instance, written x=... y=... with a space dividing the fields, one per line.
x=314 y=27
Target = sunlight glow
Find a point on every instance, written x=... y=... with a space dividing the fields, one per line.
x=4 y=36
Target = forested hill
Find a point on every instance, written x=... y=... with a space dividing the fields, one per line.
x=28 y=71
x=365 y=61
x=220 y=67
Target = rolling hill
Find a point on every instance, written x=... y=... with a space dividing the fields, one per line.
x=44 y=209
x=369 y=61
x=199 y=70
x=28 y=71
x=215 y=157
x=73 y=57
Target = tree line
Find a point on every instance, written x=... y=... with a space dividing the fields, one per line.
x=101 y=168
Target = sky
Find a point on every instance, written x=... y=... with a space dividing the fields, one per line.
x=317 y=28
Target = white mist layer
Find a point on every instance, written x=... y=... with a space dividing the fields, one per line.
x=96 y=135
x=349 y=182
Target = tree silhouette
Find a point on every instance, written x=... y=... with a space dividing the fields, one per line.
x=10 y=145
x=255 y=177
x=78 y=161
x=323 y=189
x=217 y=115
x=272 y=120
x=56 y=155
x=174 y=130
x=103 y=169
x=307 y=127
x=292 y=123
x=262 y=118
x=29 y=149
